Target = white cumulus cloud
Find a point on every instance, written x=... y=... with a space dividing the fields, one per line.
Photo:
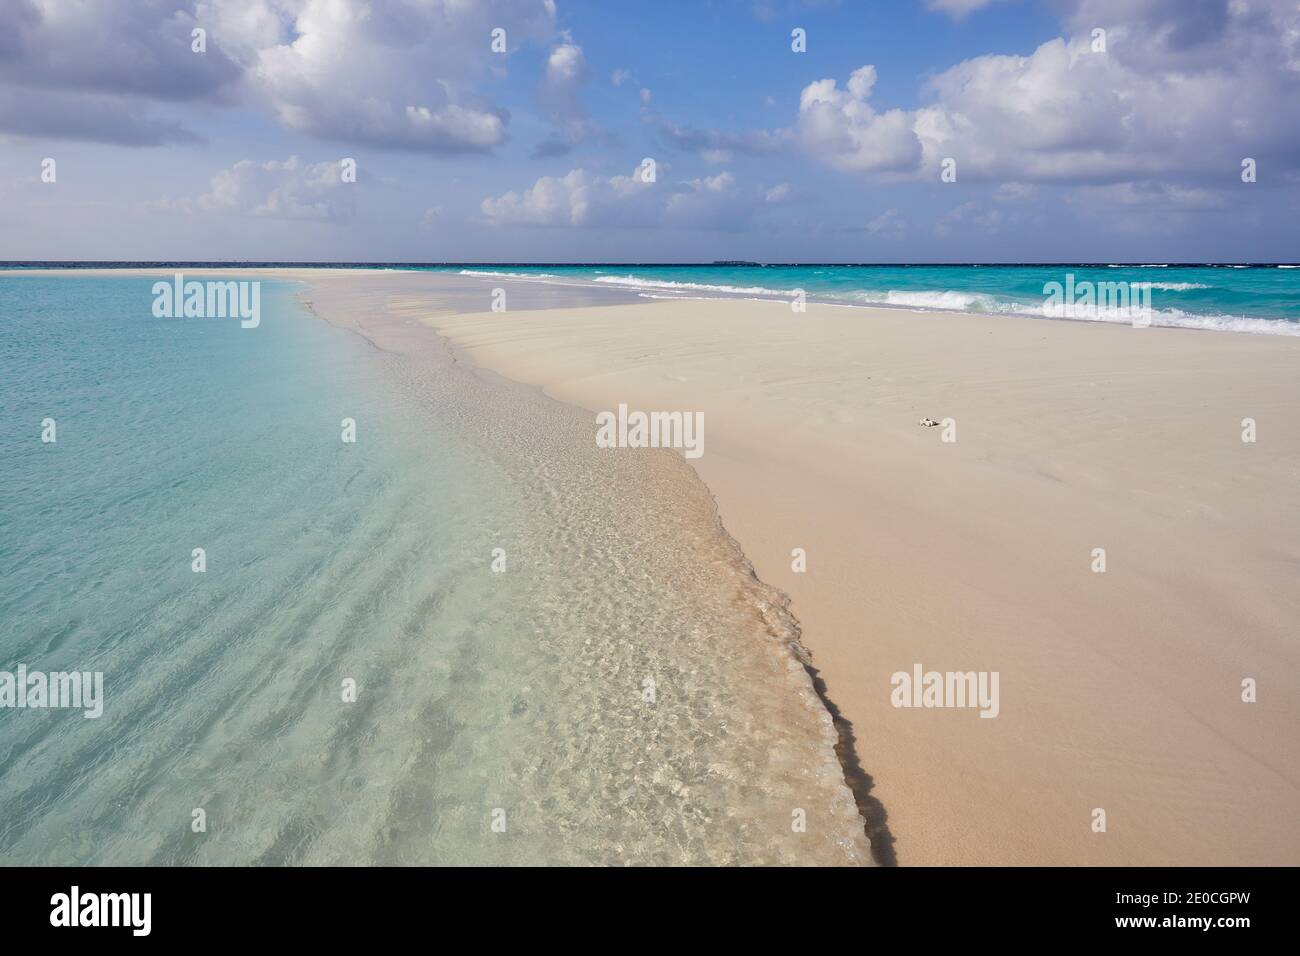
x=841 y=127
x=1171 y=88
x=404 y=75
x=276 y=189
x=582 y=198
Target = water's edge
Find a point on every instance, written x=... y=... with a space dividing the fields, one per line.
x=771 y=603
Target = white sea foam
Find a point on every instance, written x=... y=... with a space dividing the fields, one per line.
x=507 y=275
x=1178 y=319
x=948 y=300
x=1178 y=286
x=1165 y=318
x=642 y=283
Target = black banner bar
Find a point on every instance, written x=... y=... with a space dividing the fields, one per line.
x=332 y=906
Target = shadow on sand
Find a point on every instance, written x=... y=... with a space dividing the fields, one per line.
x=872 y=810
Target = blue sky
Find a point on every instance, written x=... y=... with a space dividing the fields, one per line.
x=1062 y=150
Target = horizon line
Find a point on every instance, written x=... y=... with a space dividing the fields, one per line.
x=732 y=263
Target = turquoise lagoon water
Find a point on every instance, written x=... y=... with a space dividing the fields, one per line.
x=623 y=692
x=1238 y=298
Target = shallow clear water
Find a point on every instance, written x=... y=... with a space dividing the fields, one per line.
x=519 y=696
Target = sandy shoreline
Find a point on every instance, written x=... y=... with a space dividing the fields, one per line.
x=1119 y=691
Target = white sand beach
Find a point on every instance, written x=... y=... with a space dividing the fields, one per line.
x=1120 y=691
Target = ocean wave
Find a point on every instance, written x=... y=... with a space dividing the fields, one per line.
x=507 y=275
x=947 y=300
x=641 y=283
x=1175 y=319
x=952 y=301
x=1178 y=319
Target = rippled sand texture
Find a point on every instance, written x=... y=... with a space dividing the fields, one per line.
x=620 y=574
x=518 y=696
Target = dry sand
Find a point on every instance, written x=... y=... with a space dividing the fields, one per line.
x=1119 y=690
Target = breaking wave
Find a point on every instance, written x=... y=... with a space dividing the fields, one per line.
x=947 y=300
